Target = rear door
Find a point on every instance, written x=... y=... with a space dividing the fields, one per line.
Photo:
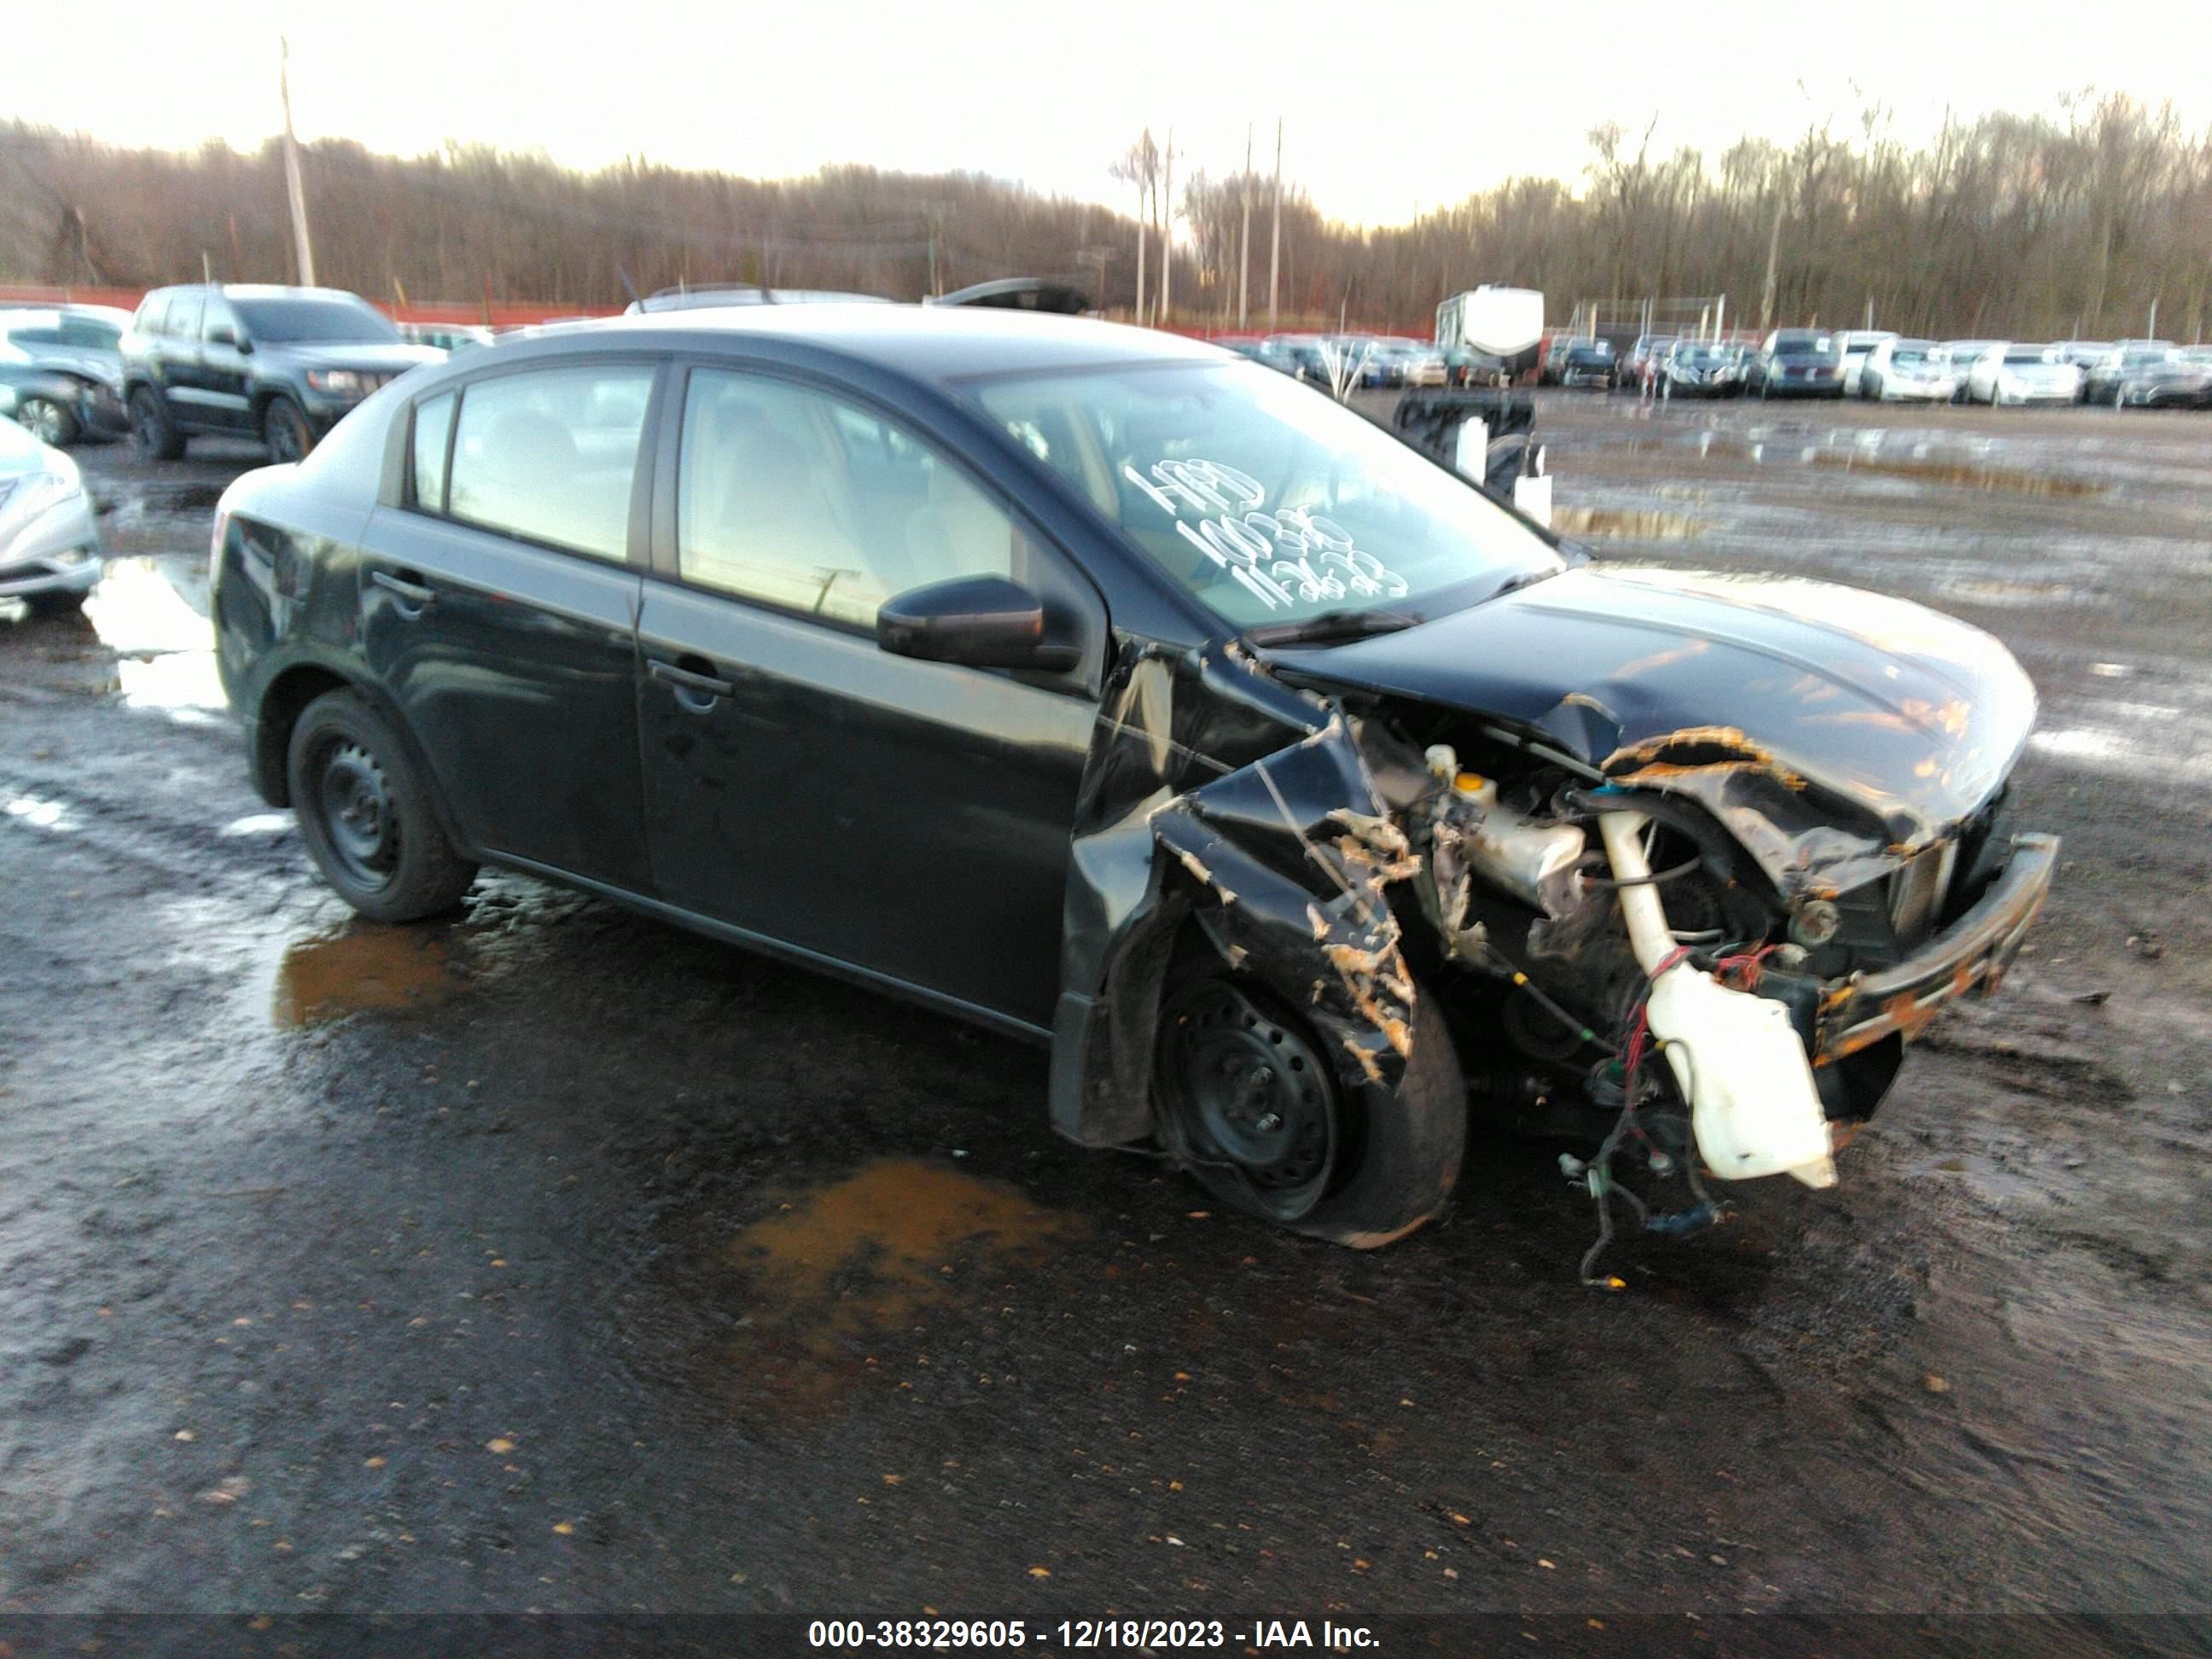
x=908 y=818
x=499 y=603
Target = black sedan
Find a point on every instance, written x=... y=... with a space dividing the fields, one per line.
x=1094 y=684
x=1799 y=362
x=1701 y=368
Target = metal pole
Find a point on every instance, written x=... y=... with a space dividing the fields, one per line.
x=301 y=250
x=1244 y=248
x=1275 y=240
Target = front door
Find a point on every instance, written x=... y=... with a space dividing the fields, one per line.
x=499 y=607
x=908 y=818
x=226 y=379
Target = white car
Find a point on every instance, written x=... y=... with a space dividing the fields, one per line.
x=2017 y=374
x=1859 y=344
x=49 y=543
x=1901 y=371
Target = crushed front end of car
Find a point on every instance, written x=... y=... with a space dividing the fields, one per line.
x=1677 y=866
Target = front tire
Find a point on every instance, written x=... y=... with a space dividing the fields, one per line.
x=1251 y=1102
x=284 y=429
x=365 y=813
x=47 y=420
x=152 y=434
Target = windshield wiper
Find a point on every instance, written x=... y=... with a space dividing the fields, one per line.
x=1327 y=627
x=1514 y=585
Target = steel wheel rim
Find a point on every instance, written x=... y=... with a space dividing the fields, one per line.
x=1255 y=1099
x=355 y=806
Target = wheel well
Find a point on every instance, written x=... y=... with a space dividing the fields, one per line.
x=281 y=707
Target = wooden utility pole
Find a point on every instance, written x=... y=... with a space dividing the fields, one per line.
x=1244 y=248
x=1773 y=252
x=1275 y=238
x=301 y=250
x=1167 y=237
x=1144 y=188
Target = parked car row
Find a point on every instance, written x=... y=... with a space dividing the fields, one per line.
x=1882 y=366
x=1365 y=360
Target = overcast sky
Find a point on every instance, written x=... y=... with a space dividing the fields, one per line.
x=1389 y=109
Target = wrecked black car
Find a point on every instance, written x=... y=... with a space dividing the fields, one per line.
x=1105 y=689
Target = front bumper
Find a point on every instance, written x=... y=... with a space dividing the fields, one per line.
x=54 y=551
x=1918 y=391
x=1971 y=954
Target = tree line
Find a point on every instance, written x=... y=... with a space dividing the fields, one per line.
x=2034 y=226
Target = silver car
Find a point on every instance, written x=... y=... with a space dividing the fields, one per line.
x=49 y=544
x=1900 y=371
x=2021 y=373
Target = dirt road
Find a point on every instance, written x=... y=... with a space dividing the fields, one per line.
x=553 y=1259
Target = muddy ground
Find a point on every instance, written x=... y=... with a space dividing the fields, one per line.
x=554 y=1259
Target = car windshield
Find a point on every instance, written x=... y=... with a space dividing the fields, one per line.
x=2030 y=354
x=1911 y=354
x=313 y=321
x=1702 y=354
x=1590 y=348
x=1269 y=501
x=1805 y=345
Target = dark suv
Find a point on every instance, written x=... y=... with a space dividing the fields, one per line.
x=282 y=364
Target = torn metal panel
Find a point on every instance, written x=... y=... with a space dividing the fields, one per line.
x=1213 y=789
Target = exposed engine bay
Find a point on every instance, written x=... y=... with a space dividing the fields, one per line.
x=1679 y=953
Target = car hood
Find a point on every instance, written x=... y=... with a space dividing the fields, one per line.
x=372 y=355
x=1866 y=727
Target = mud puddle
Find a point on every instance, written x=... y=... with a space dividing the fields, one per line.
x=1921 y=464
x=838 y=1286
x=1620 y=521
x=164 y=649
x=361 y=969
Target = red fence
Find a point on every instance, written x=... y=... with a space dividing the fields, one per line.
x=496 y=313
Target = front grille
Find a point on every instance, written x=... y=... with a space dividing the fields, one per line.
x=1916 y=893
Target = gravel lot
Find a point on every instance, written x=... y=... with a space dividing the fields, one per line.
x=552 y=1259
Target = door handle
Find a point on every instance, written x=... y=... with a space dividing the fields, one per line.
x=685 y=679
x=413 y=594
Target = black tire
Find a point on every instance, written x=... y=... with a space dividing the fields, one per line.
x=54 y=605
x=366 y=815
x=1387 y=1159
x=47 y=420
x=153 y=433
x=284 y=429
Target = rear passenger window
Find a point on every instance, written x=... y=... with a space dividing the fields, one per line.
x=433 y=425
x=815 y=504
x=552 y=455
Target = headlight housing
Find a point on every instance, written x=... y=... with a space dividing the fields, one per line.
x=345 y=382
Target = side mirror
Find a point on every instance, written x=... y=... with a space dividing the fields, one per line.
x=980 y=622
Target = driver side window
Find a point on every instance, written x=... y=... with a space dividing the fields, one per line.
x=813 y=503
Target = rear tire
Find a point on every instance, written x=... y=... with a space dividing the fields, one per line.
x=152 y=434
x=366 y=815
x=1356 y=1166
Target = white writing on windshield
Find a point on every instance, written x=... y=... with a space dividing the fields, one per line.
x=1286 y=558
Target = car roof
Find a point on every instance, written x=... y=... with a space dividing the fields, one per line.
x=935 y=342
